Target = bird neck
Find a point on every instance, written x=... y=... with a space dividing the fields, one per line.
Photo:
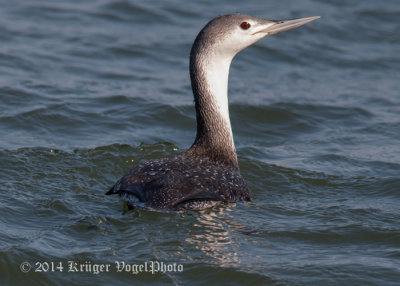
x=209 y=73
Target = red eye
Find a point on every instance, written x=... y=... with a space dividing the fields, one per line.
x=245 y=25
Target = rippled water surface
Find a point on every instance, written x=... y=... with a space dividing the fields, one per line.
x=89 y=88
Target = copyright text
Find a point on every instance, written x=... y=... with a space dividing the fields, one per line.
x=98 y=268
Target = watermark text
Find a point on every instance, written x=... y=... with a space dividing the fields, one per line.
x=71 y=266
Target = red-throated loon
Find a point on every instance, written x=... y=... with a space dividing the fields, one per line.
x=208 y=173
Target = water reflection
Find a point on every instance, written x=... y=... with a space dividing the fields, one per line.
x=212 y=235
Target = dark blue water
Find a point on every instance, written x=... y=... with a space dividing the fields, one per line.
x=89 y=88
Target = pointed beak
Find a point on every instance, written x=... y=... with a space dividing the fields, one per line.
x=275 y=27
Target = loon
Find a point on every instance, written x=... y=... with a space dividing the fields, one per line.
x=207 y=174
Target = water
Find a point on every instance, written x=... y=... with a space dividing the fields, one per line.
x=89 y=88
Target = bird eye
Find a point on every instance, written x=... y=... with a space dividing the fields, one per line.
x=245 y=25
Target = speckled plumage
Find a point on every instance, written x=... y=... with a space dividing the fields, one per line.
x=182 y=182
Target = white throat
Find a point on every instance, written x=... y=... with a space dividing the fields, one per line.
x=216 y=71
x=209 y=72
